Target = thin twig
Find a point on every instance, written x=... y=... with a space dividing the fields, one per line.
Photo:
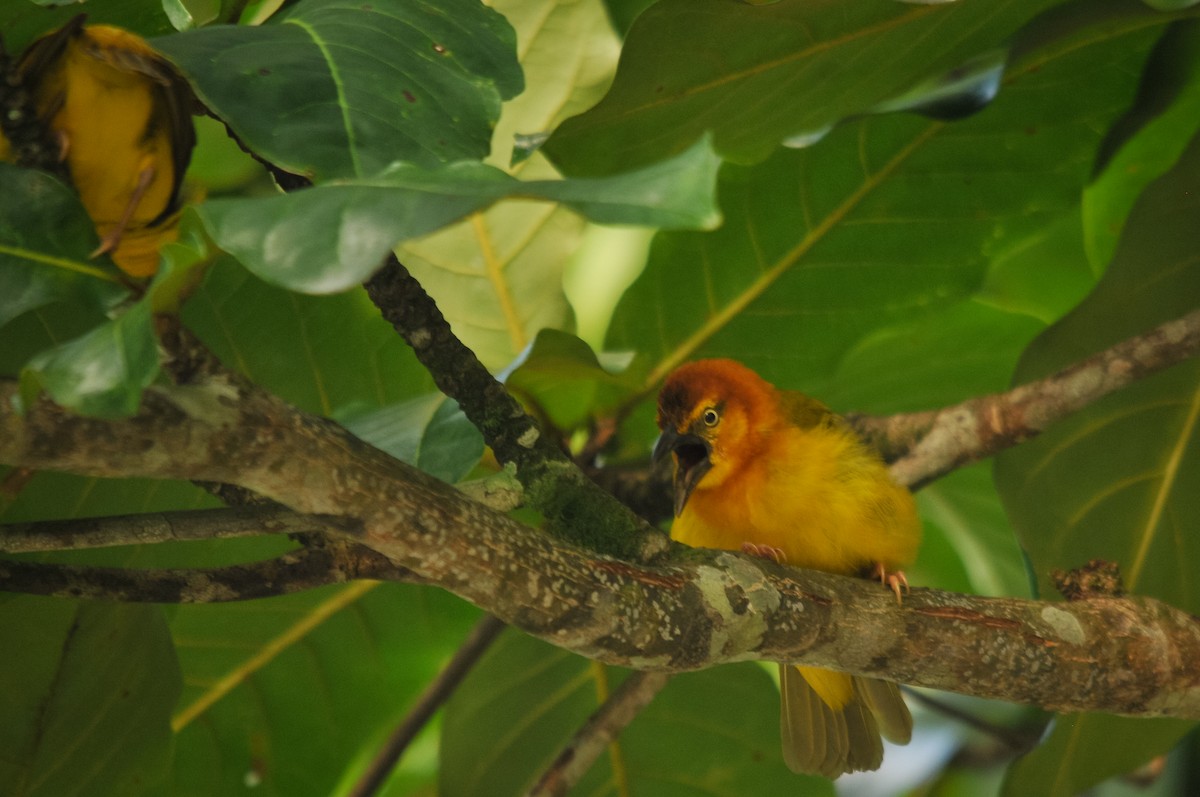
x=438 y=691
x=1016 y=742
x=194 y=524
x=926 y=445
x=296 y=571
x=591 y=740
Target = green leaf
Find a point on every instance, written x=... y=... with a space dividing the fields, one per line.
x=889 y=219
x=1039 y=272
x=102 y=373
x=523 y=701
x=938 y=358
x=1085 y=749
x=332 y=237
x=1116 y=481
x=497 y=275
x=335 y=88
x=22 y=22
x=87 y=701
x=963 y=516
x=321 y=353
x=758 y=75
x=561 y=376
x=730 y=718
x=45 y=235
x=428 y=432
x=291 y=695
x=1147 y=140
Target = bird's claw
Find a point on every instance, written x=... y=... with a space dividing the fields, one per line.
x=894 y=581
x=764 y=552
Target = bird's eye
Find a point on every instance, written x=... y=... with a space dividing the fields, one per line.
x=710 y=417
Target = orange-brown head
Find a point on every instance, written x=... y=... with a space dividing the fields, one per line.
x=715 y=416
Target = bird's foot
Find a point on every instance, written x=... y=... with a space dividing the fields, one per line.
x=764 y=552
x=894 y=581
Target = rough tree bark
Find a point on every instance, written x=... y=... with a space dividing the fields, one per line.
x=1124 y=655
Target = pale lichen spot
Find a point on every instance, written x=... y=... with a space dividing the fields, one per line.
x=1065 y=624
x=528 y=437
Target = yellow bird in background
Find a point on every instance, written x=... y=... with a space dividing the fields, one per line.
x=775 y=473
x=123 y=119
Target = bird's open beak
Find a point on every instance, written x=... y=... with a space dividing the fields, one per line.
x=691 y=462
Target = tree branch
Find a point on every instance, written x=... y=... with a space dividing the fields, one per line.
x=438 y=691
x=923 y=446
x=926 y=445
x=196 y=524
x=591 y=740
x=292 y=572
x=1122 y=655
x=553 y=484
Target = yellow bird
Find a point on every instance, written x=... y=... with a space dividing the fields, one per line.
x=122 y=116
x=775 y=473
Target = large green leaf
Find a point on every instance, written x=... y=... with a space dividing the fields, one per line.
x=1147 y=140
x=332 y=237
x=335 y=88
x=497 y=276
x=285 y=696
x=25 y=20
x=711 y=732
x=45 y=237
x=889 y=219
x=963 y=515
x=321 y=353
x=562 y=379
x=1117 y=480
x=428 y=432
x=1088 y=748
x=758 y=75
x=88 y=690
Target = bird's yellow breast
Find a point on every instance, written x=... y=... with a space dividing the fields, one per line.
x=818 y=495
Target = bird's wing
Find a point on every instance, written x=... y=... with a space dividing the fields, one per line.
x=806 y=412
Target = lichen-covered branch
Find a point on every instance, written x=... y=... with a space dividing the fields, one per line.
x=1104 y=653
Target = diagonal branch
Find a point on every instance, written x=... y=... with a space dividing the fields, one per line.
x=553 y=484
x=1122 y=655
x=590 y=741
x=926 y=445
x=438 y=691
